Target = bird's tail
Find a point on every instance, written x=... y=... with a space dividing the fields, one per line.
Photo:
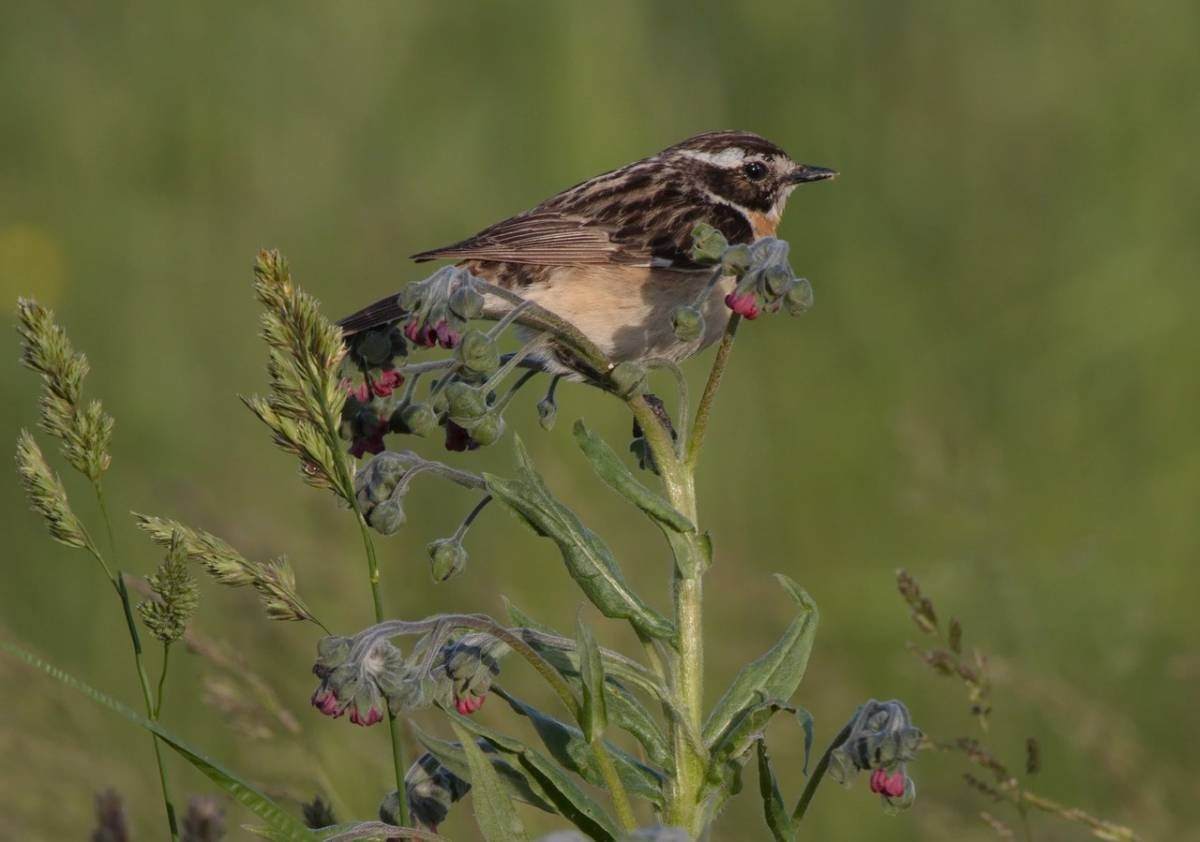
x=373 y=315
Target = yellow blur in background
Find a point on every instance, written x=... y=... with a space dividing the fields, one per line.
x=996 y=389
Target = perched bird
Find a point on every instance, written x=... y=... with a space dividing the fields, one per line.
x=611 y=254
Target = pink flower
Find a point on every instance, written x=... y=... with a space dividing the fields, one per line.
x=359 y=393
x=744 y=304
x=326 y=701
x=372 y=716
x=386 y=383
x=467 y=705
x=446 y=337
x=890 y=785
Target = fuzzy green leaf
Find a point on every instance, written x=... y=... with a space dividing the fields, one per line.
x=613 y=472
x=625 y=711
x=588 y=559
x=734 y=744
x=774 y=811
x=777 y=673
x=594 y=713
x=514 y=778
x=567 y=745
x=569 y=800
x=284 y=825
x=494 y=811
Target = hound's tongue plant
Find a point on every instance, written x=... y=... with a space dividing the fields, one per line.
x=330 y=405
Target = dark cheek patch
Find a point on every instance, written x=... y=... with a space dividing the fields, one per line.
x=736 y=187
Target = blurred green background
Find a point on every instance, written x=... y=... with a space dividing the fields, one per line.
x=997 y=389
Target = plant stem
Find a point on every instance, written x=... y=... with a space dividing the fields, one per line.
x=399 y=761
x=700 y=426
x=810 y=789
x=682 y=808
x=162 y=680
x=118 y=583
x=144 y=679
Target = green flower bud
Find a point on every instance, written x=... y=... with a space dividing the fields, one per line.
x=464 y=403
x=628 y=379
x=387 y=517
x=418 y=419
x=332 y=652
x=466 y=302
x=799 y=299
x=477 y=353
x=389 y=808
x=776 y=279
x=688 y=323
x=736 y=260
x=447 y=558
x=488 y=429
x=547 y=409
x=411 y=297
x=439 y=404
x=708 y=244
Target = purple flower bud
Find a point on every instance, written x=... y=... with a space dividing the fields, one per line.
x=743 y=303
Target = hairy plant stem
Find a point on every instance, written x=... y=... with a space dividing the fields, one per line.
x=399 y=761
x=118 y=582
x=700 y=425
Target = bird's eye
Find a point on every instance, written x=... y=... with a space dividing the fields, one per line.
x=755 y=170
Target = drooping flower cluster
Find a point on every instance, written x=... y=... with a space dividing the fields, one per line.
x=881 y=739
x=366 y=675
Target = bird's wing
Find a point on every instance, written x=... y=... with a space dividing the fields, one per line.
x=544 y=237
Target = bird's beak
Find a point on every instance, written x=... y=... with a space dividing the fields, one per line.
x=805 y=173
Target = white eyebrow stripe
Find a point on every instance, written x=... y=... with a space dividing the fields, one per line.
x=730 y=157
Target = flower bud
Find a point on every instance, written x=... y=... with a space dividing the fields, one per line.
x=628 y=379
x=411 y=297
x=743 y=303
x=447 y=558
x=387 y=517
x=472 y=663
x=547 y=410
x=708 y=244
x=488 y=429
x=736 y=260
x=477 y=353
x=332 y=652
x=466 y=302
x=464 y=403
x=418 y=419
x=883 y=740
x=688 y=323
x=458 y=438
x=799 y=299
x=776 y=279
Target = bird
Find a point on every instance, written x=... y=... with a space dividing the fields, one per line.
x=611 y=255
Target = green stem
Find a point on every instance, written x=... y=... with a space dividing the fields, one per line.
x=118 y=583
x=144 y=680
x=810 y=789
x=616 y=787
x=399 y=761
x=700 y=426
x=162 y=680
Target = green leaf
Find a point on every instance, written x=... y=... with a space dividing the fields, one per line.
x=280 y=822
x=569 y=800
x=736 y=741
x=453 y=757
x=806 y=722
x=588 y=559
x=624 y=709
x=777 y=673
x=594 y=713
x=567 y=745
x=494 y=811
x=613 y=472
x=775 y=813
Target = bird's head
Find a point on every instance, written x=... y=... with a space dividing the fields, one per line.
x=743 y=169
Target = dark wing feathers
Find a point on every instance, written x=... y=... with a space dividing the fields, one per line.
x=541 y=237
